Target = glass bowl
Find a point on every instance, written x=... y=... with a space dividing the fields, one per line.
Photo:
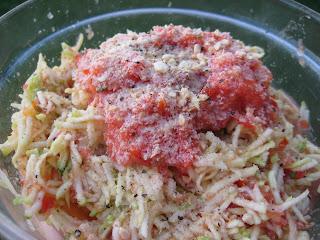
x=288 y=31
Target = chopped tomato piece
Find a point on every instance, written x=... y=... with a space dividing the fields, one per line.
x=267 y=195
x=280 y=151
x=303 y=124
x=233 y=205
x=70 y=83
x=240 y=183
x=135 y=154
x=49 y=172
x=54 y=173
x=294 y=175
x=300 y=174
x=247 y=124
x=86 y=71
x=278 y=218
x=162 y=106
x=76 y=211
x=97 y=71
x=249 y=182
x=283 y=144
x=48 y=202
x=269 y=232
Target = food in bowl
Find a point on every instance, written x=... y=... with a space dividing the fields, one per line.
x=171 y=134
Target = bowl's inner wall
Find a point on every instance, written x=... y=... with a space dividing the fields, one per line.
x=293 y=71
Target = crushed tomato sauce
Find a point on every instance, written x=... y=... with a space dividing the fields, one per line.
x=159 y=90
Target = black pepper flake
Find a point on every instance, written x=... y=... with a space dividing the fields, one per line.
x=136 y=195
x=232 y=112
x=36 y=176
x=144 y=171
x=77 y=233
x=108 y=206
x=180 y=218
x=144 y=195
x=122 y=187
x=121 y=99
